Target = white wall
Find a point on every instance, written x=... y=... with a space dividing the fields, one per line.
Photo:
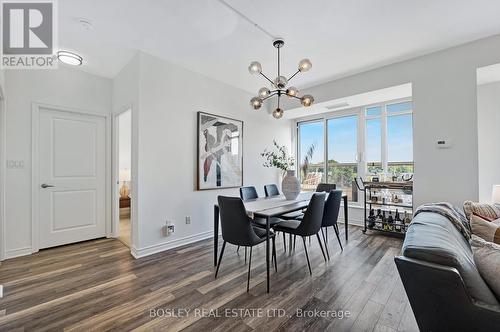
x=488 y=123
x=170 y=98
x=126 y=96
x=125 y=140
x=62 y=87
x=444 y=96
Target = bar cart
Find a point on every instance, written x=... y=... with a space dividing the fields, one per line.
x=388 y=206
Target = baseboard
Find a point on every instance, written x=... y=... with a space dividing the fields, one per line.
x=18 y=252
x=355 y=222
x=150 y=250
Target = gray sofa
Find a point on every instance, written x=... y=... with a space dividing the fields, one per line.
x=445 y=289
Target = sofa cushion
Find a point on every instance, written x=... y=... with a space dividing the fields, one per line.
x=484 y=210
x=485 y=229
x=487 y=259
x=432 y=237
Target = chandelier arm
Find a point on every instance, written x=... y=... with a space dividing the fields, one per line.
x=271 y=95
x=298 y=71
x=296 y=97
x=267 y=78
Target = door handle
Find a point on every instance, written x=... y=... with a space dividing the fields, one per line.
x=44 y=185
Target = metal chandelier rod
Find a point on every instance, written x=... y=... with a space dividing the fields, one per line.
x=248 y=19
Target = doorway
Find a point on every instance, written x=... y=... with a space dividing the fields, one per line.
x=2 y=175
x=123 y=167
x=488 y=120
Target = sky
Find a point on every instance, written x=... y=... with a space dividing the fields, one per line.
x=342 y=138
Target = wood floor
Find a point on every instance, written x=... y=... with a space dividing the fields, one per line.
x=97 y=286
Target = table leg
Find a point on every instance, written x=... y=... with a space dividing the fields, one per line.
x=216 y=232
x=346 y=218
x=267 y=251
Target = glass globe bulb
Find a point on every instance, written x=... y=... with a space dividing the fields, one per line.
x=292 y=91
x=255 y=68
x=256 y=103
x=280 y=82
x=264 y=92
x=305 y=65
x=278 y=113
x=307 y=100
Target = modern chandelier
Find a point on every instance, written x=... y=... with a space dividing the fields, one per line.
x=279 y=86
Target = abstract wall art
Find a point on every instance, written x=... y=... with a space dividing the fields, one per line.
x=220 y=152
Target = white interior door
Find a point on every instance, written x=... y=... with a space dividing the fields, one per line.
x=72 y=177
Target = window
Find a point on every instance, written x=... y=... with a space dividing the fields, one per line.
x=382 y=134
x=399 y=139
x=342 y=154
x=311 y=154
x=373 y=140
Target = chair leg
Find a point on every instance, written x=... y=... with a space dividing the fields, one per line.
x=336 y=229
x=284 y=242
x=245 y=255
x=290 y=242
x=249 y=266
x=326 y=245
x=326 y=236
x=309 y=240
x=274 y=254
x=321 y=246
x=220 y=258
x=238 y=250
x=294 y=241
x=323 y=234
x=307 y=256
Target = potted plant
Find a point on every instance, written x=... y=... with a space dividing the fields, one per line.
x=278 y=158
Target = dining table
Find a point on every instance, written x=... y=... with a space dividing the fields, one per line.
x=269 y=207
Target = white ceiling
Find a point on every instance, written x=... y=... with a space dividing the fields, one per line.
x=488 y=74
x=340 y=37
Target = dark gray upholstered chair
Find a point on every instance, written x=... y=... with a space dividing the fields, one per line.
x=331 y=214
x=326 y=187
x=248 y=193
x=310 y=224
x=271 y=190
x=238 y=229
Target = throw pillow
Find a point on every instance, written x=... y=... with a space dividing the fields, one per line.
x=484 y=210
x=487 y=259
x=485 y=229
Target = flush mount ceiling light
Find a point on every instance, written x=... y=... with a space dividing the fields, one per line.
x=69 y=58
x=280 y=85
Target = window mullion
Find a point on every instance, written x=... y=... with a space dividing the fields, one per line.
x=325 y=144
x=383 y=127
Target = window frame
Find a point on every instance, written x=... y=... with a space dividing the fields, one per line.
x=360 y=112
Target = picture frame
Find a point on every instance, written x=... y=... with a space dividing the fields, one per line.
x=219 y=152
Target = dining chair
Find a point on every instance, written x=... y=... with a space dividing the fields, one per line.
x=238 y=229
x=271 y=190
x=330 y=216
x=247 y=193
x=326 y=187
x=309 y=225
